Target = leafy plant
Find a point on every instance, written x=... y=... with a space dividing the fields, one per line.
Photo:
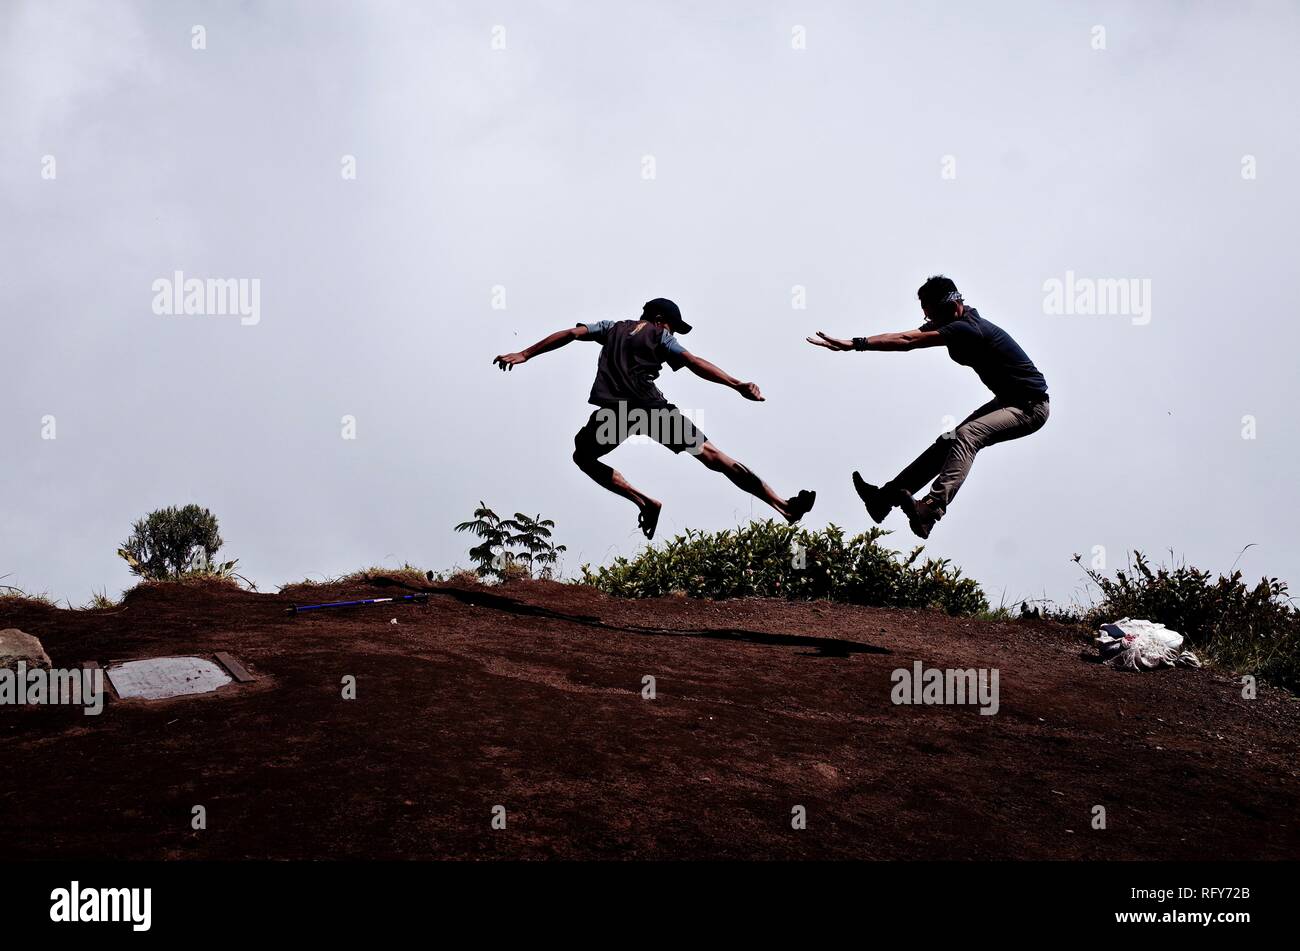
x=496 y=554
x=533 y=536
x=174 y=542
x=767 y=559
x=486 y=525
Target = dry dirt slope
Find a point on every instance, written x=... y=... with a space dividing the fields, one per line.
x=529 y=696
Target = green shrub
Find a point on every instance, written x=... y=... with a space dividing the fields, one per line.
x=1249 y=629
x=174 y=542
x=770 y=560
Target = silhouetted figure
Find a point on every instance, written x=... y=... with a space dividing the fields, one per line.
x=1018 y=408
x=632 y=352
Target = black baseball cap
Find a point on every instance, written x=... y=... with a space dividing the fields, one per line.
x=665 y=309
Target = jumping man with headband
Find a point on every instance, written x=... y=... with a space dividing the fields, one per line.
x=632 y=352
x=1019 y=405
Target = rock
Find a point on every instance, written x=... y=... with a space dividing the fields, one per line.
x=15 y=646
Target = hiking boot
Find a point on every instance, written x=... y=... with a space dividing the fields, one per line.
x=921 y=515
x=799 y=505
x=649 y=518
x=878 y=501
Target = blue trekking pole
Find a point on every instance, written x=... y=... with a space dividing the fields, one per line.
x=408 y=598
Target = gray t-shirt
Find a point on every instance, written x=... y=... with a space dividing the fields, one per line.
x=631 y=354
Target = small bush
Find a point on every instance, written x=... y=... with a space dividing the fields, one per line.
x=173 y=542
x=1250 y=629
x=511 y=547
x=766 y=559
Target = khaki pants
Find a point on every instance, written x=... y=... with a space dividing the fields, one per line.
x=949 y=459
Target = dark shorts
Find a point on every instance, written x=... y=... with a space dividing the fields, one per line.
x=609 y=426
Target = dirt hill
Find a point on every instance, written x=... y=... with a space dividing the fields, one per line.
x=529 y=696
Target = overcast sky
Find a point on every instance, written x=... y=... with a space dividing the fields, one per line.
x=846 y=148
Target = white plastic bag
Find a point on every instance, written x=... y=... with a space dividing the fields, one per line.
x=1142 y=645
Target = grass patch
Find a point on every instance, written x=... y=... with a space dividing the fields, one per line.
x=11 y=597
x=99 y=601
x=194 y=579
x=407 y=574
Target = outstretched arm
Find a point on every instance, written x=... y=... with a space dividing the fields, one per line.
x=556 y=340
x=714 y=374
x=907 y=340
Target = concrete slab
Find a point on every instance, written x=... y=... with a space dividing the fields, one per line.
x=157 y=678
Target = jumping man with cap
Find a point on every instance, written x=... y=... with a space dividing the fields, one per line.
x=1019 y=405
x=632 y=352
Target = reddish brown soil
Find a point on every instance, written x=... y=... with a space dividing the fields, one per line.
x=529 y=696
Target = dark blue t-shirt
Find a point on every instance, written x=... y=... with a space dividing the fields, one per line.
x=631 y=354
x=989 y=350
